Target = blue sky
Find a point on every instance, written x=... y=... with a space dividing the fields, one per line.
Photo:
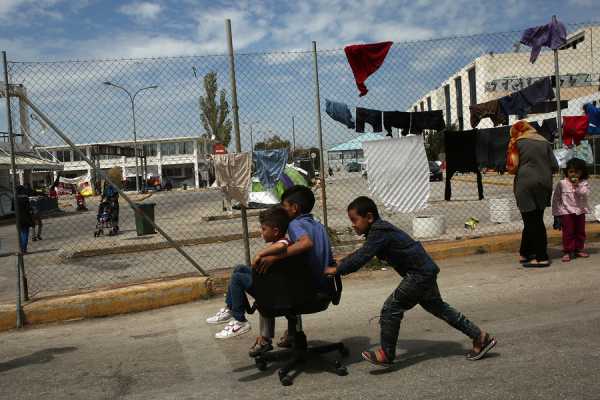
x=82 y=29
x=271 y=87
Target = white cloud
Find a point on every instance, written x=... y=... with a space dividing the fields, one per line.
x=142 y=11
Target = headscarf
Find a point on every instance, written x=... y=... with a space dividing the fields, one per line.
x=519 y=130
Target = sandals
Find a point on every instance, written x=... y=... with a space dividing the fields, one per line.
x=536 y=264
x=488 y=343
x=566 y=257
x=581 y=254
x=285 y=341
x=377 y=357
x=260 y=347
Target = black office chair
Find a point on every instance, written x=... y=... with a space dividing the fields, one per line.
x=287 y=290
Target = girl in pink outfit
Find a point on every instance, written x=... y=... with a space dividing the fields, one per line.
x=569 y=206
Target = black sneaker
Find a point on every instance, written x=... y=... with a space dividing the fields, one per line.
x=260 y=347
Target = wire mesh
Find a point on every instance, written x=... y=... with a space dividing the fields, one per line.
x=276 y=97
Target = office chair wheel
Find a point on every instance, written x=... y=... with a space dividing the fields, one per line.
x=344 y=352
x=261 y=364
x=340 y=370
x=285 y=379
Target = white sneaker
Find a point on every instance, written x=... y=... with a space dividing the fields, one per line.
x=221 y=317
x=233 y=329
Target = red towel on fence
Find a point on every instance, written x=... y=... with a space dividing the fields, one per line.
x=365 y=59
x=574 y=129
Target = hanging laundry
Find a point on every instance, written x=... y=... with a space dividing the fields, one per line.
x=427 y=120
x=372 y=117
x=396 y=119
x=460 y=150
x=552 y=35
x=548 y=128
x=490 y=109
x=270 y=165
x=398 y=172
x=547 y=107
x=232 y=173
x=574 y=129
x=520 y=103
x=490 y=148
x=339 y=112
x=593 y=114
x=365 y=59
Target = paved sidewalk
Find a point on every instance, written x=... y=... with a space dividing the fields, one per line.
x=546 y=321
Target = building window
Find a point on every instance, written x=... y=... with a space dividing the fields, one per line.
x=415 y=108
x=186 y=148
x=422 y=106
x=63 y=155
x=76 y=156
x=150 y=149
x=448 y=110
x=459 y=102
x=429 y=104
x=472 y=87
x=168 y=149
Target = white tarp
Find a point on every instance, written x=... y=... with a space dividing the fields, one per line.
x=398 y=172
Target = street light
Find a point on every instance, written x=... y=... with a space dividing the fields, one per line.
x=132 y=98
x=250 y=124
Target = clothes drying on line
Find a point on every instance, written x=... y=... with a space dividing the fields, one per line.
x=365 y=59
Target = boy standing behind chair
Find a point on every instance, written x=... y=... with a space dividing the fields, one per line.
x=418 y=286
x=308 y=236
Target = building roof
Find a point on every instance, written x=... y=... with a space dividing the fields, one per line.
x=128 y=142
x=356 y=143
x=28 y=161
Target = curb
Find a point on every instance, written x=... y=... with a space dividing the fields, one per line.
x=109 y=302
x=152 y=295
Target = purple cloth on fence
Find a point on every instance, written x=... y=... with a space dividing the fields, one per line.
x=552 y=35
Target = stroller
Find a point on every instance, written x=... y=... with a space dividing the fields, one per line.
x=105 y=219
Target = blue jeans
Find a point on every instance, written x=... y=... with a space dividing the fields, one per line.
x=24 y=238
x=236 y=300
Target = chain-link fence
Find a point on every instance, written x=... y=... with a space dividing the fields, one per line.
x=101 y=103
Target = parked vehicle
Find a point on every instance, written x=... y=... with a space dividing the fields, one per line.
x=353 y=166
x=435 y=172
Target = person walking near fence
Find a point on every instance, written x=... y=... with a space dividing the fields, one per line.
x=23 y=207
x=531 y=160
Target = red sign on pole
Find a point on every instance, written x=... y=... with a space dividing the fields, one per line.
x=218 y=148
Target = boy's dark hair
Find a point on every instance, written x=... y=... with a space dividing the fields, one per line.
x=578 y=165
x=275 y=217
x=300 y=195
x=363 y=205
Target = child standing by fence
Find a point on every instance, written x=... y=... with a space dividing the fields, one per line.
x=569 y=206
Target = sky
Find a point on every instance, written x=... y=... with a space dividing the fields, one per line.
x=173 y=43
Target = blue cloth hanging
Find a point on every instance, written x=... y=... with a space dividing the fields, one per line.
x=270 y=165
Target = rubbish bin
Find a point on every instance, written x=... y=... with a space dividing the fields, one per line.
x=142 y=226
x=185 y=186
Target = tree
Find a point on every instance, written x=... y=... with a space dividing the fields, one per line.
x=274 y=142
x=215 y=116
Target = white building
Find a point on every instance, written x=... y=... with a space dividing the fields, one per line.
x=181 y=160
x=492 y=76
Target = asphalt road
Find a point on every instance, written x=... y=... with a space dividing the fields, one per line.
x=546 y=321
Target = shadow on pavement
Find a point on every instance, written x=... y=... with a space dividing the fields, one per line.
x=39 y=357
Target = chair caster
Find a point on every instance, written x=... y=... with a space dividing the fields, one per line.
x=344 y=352
x=285 y=379
x=340 y=370
x=261 y=364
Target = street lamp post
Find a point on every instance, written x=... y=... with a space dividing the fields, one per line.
x=135 y=148
x=251 y=124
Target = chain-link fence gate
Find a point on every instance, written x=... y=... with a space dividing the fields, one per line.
x=96 y=103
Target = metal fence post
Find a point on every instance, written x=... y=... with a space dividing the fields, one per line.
x=558 y=112
x=236 y=128
x=13 y=167
x=320 y=134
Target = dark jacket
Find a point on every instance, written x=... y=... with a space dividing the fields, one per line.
x=25 y=212
x=396 y=247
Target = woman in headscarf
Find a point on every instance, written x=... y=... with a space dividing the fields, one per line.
x=531 y=160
